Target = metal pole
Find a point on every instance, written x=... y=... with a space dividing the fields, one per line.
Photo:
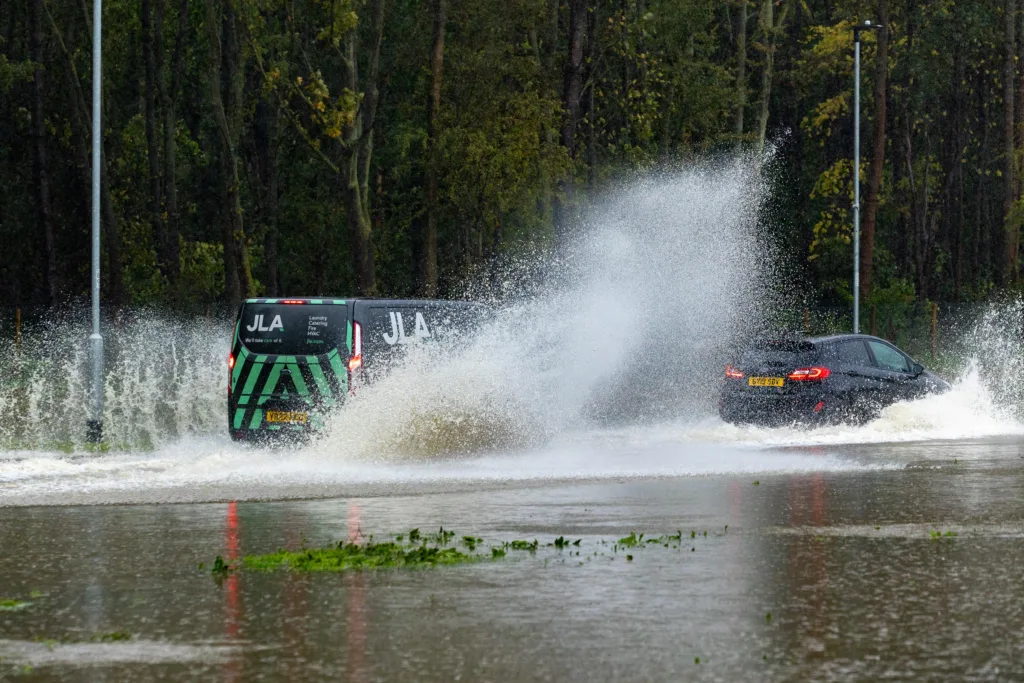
x=856 y=180
x=94 y=426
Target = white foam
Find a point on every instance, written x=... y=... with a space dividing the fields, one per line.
x=631 y=324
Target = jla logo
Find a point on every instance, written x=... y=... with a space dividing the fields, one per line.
x=257 y=324
x=397 y=336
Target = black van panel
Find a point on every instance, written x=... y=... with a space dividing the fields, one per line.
x=293 y=358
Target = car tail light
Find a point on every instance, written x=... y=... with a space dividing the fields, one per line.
x=809 y=374
x=732 y=373
x=357 y=347
x=231 y=361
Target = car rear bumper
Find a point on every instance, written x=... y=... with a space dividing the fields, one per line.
x=775 y=410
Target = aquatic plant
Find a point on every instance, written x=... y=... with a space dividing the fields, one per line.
x=13 y=605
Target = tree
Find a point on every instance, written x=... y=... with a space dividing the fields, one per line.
x=42 y=170
x=428 y=236
x=867 y=252
x=1011 y=231
x=226 y=102
x=572 y=90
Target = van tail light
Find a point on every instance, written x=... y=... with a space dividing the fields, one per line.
x=231 y=366
x=356 y=361
x=732 y=373
x=292 y=301
x=809 y=374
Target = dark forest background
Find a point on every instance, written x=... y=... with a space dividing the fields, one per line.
x=390 y=147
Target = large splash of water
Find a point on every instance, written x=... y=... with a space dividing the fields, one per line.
x=603 y=362
x=165 y=379
x=663 y=274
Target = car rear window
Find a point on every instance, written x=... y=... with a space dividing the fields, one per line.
x=853 y=352
x=293 y=329
x=780 y=352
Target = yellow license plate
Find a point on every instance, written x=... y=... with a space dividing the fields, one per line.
x=765 y=381
x=282 y=416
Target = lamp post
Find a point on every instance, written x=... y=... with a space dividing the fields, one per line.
x=866 y=26
x=94 y=425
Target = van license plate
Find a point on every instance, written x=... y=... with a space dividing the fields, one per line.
x=765 y=381
x=282 y=416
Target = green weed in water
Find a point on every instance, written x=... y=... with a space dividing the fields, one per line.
x=522 y=545
x=562 y=542
x=222 y=568
x=13 y=605
x=349 y=556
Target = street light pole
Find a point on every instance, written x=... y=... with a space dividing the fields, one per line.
x=94 y=425
x=866 y=26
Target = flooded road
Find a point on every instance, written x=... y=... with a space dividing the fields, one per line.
x=826 y=562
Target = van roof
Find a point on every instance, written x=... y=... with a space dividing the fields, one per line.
x=341 y=301
x=297 y=299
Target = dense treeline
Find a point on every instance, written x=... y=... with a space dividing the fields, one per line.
x=393 y=146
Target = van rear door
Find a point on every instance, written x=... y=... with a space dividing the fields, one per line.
x=289 y=363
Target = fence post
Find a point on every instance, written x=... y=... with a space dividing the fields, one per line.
x=935 y=329
x=807 y=321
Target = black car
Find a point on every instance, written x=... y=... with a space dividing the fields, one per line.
x=841 y=378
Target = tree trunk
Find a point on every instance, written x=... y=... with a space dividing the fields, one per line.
x=741 y=70
x=959 y=143
x=81 y=129
x=44 y=215
x=170 y=248
x=1011 y=230
x=225 y=71
x=867 y=251
x=591 y=104
x=428 y=268
x=571 y=91
x=770 y=30
x=266 y=144
x=357 y=151
x=149 y=37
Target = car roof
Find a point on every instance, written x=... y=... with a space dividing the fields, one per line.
x=832 y=338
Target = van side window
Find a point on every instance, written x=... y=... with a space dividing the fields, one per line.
x=889 y=358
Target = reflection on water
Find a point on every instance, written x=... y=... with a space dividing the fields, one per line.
x=844 y=603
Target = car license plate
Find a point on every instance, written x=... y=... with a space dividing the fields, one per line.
x=282 y=416
x=765 y=381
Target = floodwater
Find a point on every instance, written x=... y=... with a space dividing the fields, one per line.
x=848 y=547
x=586 y=410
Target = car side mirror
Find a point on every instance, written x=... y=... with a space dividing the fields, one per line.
x=918 y=369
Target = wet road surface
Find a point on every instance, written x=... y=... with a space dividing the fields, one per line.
x=913 y=569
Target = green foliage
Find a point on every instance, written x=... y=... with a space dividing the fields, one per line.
x=13 y=605
x=659 y=86
x=13 y=72
x=350 y=556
